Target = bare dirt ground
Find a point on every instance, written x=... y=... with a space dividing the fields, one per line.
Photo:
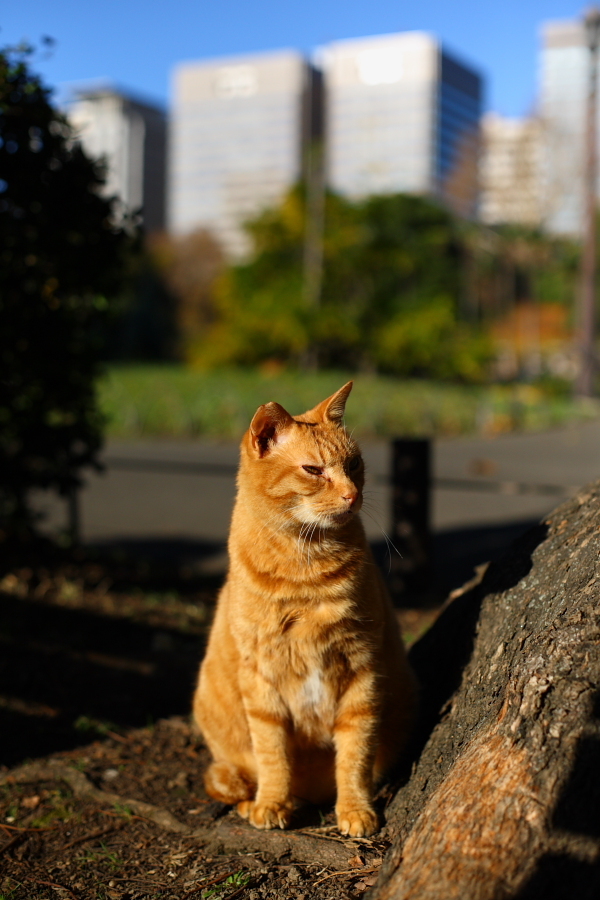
x=101 y=791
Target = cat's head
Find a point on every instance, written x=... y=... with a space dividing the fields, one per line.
x=306 y=469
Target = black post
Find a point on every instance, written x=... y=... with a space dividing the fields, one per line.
x=74 y=518
x=411 y=574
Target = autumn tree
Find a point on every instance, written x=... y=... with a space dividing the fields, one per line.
x=189 y=267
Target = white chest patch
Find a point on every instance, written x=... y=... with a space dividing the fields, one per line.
x=313 y=690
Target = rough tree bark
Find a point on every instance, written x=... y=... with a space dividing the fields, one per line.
x=504 y=800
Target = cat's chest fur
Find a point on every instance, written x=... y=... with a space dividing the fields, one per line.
x=309 y=655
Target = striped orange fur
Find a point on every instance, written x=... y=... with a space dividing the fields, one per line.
x=304 y=692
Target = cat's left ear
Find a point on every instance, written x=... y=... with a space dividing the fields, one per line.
x=332 y=409
x=268 y=427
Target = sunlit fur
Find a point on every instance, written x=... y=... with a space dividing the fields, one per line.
x=304 y=691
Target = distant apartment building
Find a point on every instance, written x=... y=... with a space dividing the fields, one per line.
x=131 y=137
x=511 y=171
x=240 y=128
x=402 y=115
x=563 y=90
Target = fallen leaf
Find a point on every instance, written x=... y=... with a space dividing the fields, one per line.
x=356 y=862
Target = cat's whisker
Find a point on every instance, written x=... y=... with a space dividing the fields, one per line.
x=372 y=502
x=299 y=541
x=306 y=537
x=277 y=515
x=302 y=538
x=267 y=523
x=308 y=544
x=369 y=507
x=315 y=526
x=389 y=543
x=307 y=533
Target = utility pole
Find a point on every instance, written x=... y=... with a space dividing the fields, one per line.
x=315 y=210
x=314 y=175
x=584 y=385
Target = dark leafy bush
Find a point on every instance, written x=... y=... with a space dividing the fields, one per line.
x=61 y=258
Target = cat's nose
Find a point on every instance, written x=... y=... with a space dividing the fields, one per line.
x=351 y=498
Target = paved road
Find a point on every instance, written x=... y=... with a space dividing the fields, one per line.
x=179 y=494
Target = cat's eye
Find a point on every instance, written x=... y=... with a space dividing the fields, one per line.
x=355 y=464
x=313 y=470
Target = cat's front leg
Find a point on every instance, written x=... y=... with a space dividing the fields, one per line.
x=270 y=733
x=355 y=732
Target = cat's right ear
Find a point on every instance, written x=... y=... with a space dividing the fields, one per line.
x=268 y=427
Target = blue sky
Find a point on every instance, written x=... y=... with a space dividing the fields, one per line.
x=136 y=43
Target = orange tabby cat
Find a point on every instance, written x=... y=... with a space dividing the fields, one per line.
x=305 y=691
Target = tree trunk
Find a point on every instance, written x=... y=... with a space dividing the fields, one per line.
x=504 y=800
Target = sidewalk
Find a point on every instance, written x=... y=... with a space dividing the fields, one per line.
x=164 y=493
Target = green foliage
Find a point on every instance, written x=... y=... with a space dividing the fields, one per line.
x=236 y=881
x=159 y=400
x=61 y=256
x=429 y=340
x=405 y=288
x=103 y=855
x=89 y=724
x=391 y=276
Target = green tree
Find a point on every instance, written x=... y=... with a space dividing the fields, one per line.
x=258 y=304
x=390 y=295
x=405 y=266
x=61 y=258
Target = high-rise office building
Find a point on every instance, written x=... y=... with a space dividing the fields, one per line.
x=563 y=90
x=402 y=115
x=131 y=137
x=239 y=131
x=511 y=170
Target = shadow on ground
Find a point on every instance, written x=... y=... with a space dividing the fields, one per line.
x=73 y=670
x=69 y=675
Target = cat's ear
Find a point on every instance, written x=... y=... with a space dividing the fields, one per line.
x=268 y=427
x=332 y=409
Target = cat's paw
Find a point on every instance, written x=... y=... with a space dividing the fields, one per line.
x=266 y=815
x=359 y=821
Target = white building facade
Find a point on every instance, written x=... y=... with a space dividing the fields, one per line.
x=237 y=141
x=564 y=74
x=402 y=116
x=130 y=136
x=511 y=171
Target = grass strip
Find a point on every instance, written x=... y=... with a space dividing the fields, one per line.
x=172 y=401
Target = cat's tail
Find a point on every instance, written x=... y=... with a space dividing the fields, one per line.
x=228 y=783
